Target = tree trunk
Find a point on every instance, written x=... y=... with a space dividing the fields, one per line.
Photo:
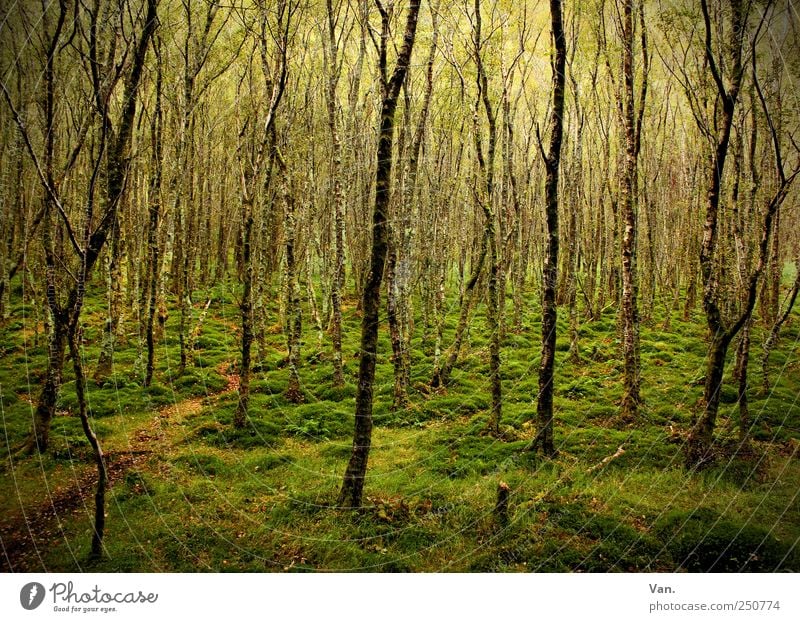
x=46 y=405
x=105 y=362
x=293 y=310
x=772 y=339
x=483 y=195
x=102 y=474
x=353 y=484
x=699 y=445
x=700 y=452
x=742 y=362
x=544 y=435
x=337 y=282
x=246 y=309
x=630 y=287
x=400 y=393
x=441 y=375
x=154 y=209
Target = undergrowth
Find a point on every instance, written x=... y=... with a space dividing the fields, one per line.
x=262 y=497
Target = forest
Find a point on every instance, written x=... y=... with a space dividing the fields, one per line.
x=399 y=285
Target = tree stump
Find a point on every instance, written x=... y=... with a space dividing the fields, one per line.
x=501 y=507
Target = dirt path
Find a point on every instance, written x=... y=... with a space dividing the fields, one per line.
x=24 y=535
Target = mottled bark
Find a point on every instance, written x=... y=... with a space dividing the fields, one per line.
x=400 y=393
x=105 y=362
x=154 y=210
x=294 y=321
x=400 y=284
x=774 y=332
x=441 y=375
x=740 y=374
x=46 y=405
x=699 y=450
x=353 y=484
x=483 y=195
x=96 y=550
x=631 y=397
x=253 y=155
x=246 y=310
x=552 y=159
x=337 y=195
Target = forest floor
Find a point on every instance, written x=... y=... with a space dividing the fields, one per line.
x=189 y=492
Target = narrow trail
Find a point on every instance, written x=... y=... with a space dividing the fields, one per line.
x=25 y=535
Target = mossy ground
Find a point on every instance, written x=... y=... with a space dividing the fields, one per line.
x=214 y=498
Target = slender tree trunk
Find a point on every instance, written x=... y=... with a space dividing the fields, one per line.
x=630 y=288
x=46 y=405
x=703 y=432
x=772 y=339
x=652 y=272
x=105 y=361
x=251 y=156
x=575 y=193
x=312 y=300
x=493 y=312
x=438 y=315
x=155 y=213
x=293 y=310
x=353 y=484
x=187 y=260
x=742 y=362
x=483 y=195
x=544 y=435
x=772 y=278
x=699 y=445
x=401 y=275
x=337 y=283
x=246 y=309
x=102 y=474
x=441 y=375
x=400 y=393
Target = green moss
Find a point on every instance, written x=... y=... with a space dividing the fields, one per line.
x=701 y=540
x=202 y=464
x=269 y=461
x=467 y=455
x=728 y=394
x=273 y=384
x=215 y=427
x=336 y=450
x=453 y=406
x=319 y=421
x=433 y=471
x=210 y=342
x=200 y=382
x=601 y=412
x=336 y=394
x=581 y=388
